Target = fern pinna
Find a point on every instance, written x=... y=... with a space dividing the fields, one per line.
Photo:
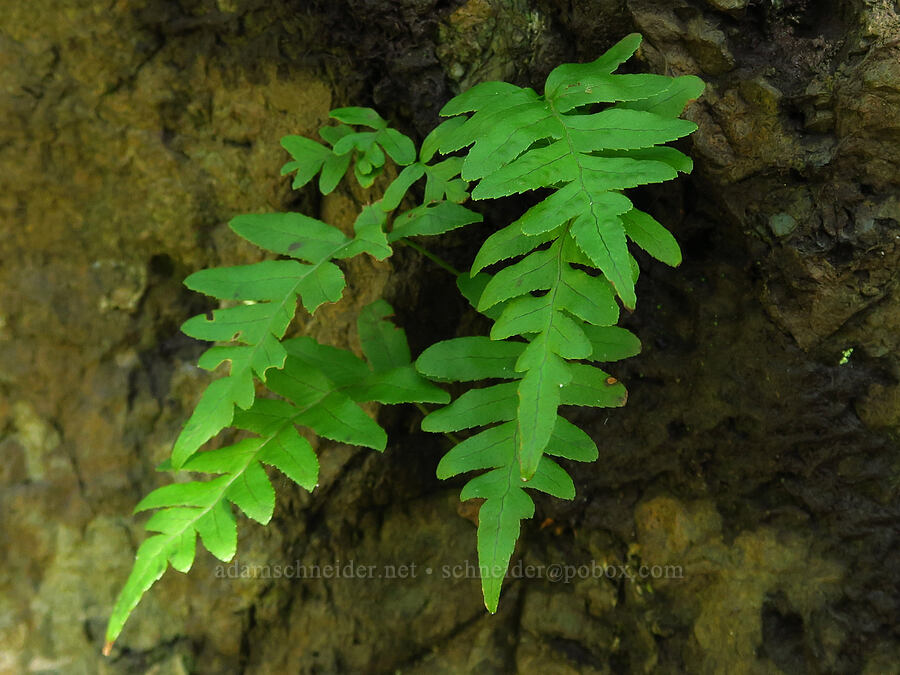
x=590 y=136
x=554 y=309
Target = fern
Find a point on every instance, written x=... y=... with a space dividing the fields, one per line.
x=558 y=302
x=320 y=386
x=590 y=136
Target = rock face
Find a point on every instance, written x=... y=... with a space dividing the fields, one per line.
x=742 y=517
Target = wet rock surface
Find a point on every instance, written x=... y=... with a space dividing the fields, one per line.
x=755 y=464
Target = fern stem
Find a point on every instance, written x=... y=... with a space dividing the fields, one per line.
x=440 y=262
x=425 y=411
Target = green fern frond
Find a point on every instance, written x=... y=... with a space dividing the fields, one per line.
x=320 y=386
x=557 y=300
x=441 y=209
x=366 y=149
x=321 y=389
x=444 y=192
x=522 y=141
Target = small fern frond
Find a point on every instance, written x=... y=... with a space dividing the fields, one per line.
x=366 y=149
x=321 y=388
x=441 y=209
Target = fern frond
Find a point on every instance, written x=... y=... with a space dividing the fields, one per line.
x=557 y=299
x=321 y=389
x=366 y=149
x=444 y=192
x=441 y=209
